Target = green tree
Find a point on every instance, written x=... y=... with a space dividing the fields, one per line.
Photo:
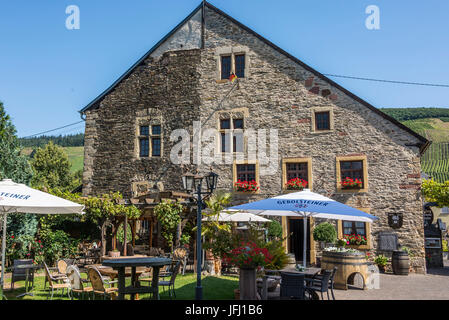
x=16 y=167
x=169 y=216
x=12 y=164
x=51 y=167
x=436 y=192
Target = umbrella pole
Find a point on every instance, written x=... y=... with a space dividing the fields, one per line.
x=5 y=215
x=304 y=247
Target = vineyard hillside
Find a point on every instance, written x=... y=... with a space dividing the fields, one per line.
x=432 y=123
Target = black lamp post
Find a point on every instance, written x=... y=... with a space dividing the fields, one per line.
x=193 y=183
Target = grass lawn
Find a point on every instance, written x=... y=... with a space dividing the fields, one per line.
x=214 y=288
x=76 y=157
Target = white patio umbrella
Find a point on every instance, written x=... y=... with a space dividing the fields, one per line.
x=305 y=204
x=238 y=216
x=19 y=198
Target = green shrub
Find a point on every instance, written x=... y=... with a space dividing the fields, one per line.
x=274 y=229
x=381 y=260
x=57 y=245
x=277 y=251
x=325 y=232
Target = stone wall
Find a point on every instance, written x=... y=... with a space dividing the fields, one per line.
x=182 y=87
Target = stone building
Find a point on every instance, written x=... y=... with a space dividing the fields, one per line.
x=324 y=132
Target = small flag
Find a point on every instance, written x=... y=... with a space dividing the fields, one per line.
x=233 y=77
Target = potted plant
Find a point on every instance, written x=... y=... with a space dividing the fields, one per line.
x=296 y=184
x=246 y=186
x=114 y=253
x=325 y=233
x=341 y=243
x=381 y=262
x=349 y=183
x=248 y=257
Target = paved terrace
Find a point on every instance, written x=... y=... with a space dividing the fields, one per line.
x=432 y=286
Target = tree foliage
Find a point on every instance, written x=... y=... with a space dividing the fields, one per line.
x=71 y=140
x=403 y=114
x=169 y=216
x=12 y=165
x=436 y=192
x=51 y=167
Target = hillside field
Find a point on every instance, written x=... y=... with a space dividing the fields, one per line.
x=76 y=156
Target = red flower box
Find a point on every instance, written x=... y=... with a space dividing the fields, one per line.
x=349 y=183
x=296 y=184
x=246 y=186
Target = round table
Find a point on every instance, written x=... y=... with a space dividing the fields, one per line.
x=120 y=266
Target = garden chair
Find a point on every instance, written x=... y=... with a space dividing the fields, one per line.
x=77 y=283
x=292 y=286
x=19 y=274
x=60 y=274
x=146 y=277
x=53 y=285
x=320 y=284
x=171 y=283
x=331 y=280
x=98 y=285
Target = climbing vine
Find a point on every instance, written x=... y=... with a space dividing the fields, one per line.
x=169 y=216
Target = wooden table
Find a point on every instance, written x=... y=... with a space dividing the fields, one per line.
x=120 y=266
x=307 y=271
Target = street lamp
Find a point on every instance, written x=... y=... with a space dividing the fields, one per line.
x=192 y=183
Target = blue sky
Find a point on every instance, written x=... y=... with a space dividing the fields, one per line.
x=48 y=73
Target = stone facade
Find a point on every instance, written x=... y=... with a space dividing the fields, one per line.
x=177 y=87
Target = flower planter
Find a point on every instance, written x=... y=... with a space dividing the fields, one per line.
x=247 y=284
x=114 y=254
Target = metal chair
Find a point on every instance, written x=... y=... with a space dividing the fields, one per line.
x=331 y=280
x=292 y=286
x=98 y=285
x=320 y=284
x=171 y=283
x=56 y=286
x=19 y=274
x=77 y=283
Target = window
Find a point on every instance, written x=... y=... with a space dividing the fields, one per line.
x=240 y=65
x=232 y=64
x=354 y=227
x=225 y=67
x=246 y=172
x=296 y=168
x=147 y=140
x=234 y=129
x=352 y=169
x=322 y=120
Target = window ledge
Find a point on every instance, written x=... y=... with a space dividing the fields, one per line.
x=340 y=190
x=322 y=131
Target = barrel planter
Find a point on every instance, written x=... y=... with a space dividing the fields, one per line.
x=400 y=263
x=247 y=284
x=348 y=264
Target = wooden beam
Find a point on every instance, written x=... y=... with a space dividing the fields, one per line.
x=125 y=229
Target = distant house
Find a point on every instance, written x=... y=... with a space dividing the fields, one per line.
x=325 y=133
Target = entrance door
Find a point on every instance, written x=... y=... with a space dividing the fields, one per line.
x=297 y=238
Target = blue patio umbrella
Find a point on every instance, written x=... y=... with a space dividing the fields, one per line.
x=305 y=204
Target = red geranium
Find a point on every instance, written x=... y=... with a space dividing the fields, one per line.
x=246 y=186
x=248 y=255
x=351 y=183
x=296 y=184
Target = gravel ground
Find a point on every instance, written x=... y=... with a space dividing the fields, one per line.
x=432 y=286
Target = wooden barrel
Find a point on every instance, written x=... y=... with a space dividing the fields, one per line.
x=348 y=264
x=400 y=263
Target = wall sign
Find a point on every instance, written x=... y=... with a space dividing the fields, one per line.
x=395 y=220
x=388 y=241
